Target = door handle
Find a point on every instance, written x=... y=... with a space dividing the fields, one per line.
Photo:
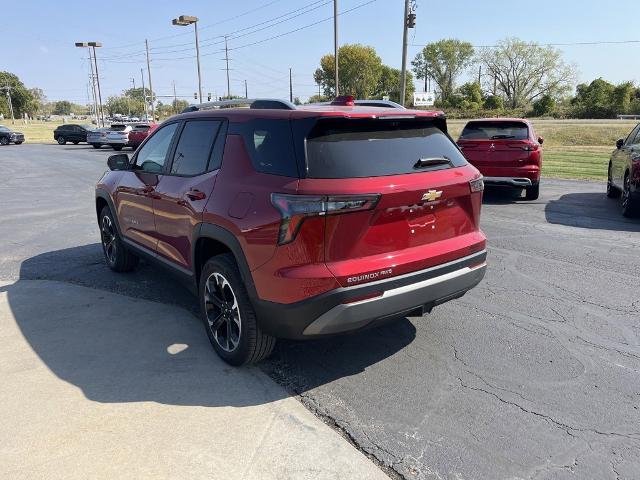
x=195 y=194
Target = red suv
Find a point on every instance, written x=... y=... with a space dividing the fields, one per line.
x=506 y=151
x=298 y=222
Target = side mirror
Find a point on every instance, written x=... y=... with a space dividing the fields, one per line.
x=540 y=140
x=620 y=143
x=118 y=162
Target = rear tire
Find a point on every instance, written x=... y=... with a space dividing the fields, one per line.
x=76 y=142
x=630 y=207
x=4 y=141
x=18 y=143
x=612 y=190
x=228 y=315
x=96 y=145
x=117 y=148
x=118 y=257
x=532 y=192
x=61 y=140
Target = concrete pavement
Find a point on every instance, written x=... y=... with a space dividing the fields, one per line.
x=101 y=385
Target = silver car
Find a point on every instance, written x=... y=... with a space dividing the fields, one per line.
x=118 y=135
x=97 y=137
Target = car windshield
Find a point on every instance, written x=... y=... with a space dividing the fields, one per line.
x=4 y=129
x=87 y=126
x=497 y=130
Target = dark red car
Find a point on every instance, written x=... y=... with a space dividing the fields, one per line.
x=507 y=152
x=298 y=222
x=139 y=133
x=623 y=175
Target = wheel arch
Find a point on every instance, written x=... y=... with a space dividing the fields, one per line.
x=104 y=199
x=210 y=240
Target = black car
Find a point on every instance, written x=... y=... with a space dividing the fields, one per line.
x=623 y=176
x=71 y=133
x=8 y=136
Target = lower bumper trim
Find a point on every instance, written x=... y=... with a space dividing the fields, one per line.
x=511 y=181
x=427 y=293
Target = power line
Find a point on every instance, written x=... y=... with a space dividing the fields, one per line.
x=568 y=44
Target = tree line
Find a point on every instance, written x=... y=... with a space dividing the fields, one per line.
x=513 y=77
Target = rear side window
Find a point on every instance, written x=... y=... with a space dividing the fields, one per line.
x=270 y=146
x=375 y=148
x=194 y=147
x=506 y=130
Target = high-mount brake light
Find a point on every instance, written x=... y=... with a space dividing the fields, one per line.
x=295 y=209
x=344 y=101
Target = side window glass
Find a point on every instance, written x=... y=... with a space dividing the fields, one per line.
x=637 y=139
x=270 y=145
x=194 y=147
x=153 y=154
x=633 y=136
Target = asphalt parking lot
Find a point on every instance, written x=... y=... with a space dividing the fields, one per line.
x=533 y=374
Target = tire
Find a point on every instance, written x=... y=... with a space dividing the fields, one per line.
x=117 y=148
x=612 y=190
x=61 y=140
x=118 y=257
x=4 y=141
x=96 y=145
x=18 y=143
x=630 y=207
x=76 y=142
x=532 y=192
x=228 y=315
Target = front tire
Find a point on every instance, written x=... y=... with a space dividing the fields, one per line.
x=630 y=205
x=18 y=143
x=532 y=192
x=61 y=140
x=117 y=148
x=228 y=315
x=4 y=141
x=116 y=254
x=76 y=142
x=96 y=145
x=612 y=190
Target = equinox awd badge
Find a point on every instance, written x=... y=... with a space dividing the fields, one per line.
x=431 y=195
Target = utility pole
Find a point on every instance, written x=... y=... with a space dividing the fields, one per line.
x=405 y=36
x=290 y=86
x=480 y=75
x=335 y=43
x=8 y=89
x=175 y=97
x=95 y=61
x=153 y=110
x=226 y=58
x=246 y=91
x=144 y=94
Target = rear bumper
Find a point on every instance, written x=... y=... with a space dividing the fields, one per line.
x=340 y=311
x=509 y=181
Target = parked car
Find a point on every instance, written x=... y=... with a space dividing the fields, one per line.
x=507 y=152
x=97 y=137
x=623 y=178
x=298 y=222
x=8 y=136
x=71 y=133
x=118 y=135
x=139 y=133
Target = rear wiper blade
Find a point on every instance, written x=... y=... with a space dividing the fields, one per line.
x=432 y=161
x=499 y=137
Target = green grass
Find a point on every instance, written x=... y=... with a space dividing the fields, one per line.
x=35 y=131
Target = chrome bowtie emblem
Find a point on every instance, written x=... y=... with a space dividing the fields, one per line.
x=431 y=195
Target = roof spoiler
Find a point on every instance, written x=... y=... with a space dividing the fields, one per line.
x=255 y=103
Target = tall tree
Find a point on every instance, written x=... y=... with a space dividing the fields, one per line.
x=139 y=94
x=443 y=61
x=359 y=67
x=389 y=84
x=63 y=107
x=21 y=98
x=523 y=71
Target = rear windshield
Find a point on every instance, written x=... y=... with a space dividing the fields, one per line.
x=118 y=128
x=495 y=131
x=141 y=128
x=375 y=148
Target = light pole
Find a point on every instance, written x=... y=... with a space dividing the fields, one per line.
x=185 y=20
x=93 y=46
x=335 y=43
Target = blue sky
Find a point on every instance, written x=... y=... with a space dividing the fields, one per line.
x=41 y=48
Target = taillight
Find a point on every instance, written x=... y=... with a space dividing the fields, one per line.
x=531 y=147
x=294 y=209
x=476 y=185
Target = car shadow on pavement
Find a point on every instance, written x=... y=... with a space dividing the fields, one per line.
x=119 y=348
x=502 y=195
x=589 y=210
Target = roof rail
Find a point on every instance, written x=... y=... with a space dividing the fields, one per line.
x=256 y=103
x=369 y=103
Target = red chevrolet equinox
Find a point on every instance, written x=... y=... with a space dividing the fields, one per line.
x=298 y=222
x=507 y=152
